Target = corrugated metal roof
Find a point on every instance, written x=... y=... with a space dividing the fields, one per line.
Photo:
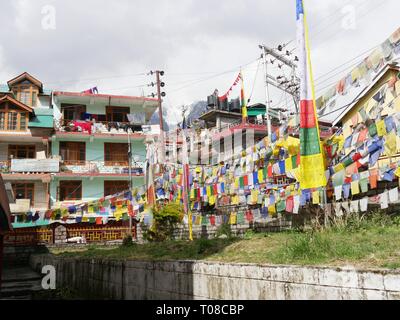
x=340 y=105
x=43 y=111
x=4 y=88
x=41 y=122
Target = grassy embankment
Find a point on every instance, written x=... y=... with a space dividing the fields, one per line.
x=372 y=242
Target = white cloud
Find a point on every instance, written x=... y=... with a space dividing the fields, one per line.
x=189 y=39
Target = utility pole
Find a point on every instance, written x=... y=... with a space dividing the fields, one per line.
x=130 y=177
x=159 y=95
x=268 y=102
x=290 y=86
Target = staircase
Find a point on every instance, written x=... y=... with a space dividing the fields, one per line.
x=20 y=283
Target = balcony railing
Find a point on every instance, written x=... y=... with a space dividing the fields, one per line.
x=35 y=165
x=100 y=167
x=99 y=127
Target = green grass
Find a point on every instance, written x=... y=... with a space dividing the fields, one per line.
x=365 y=243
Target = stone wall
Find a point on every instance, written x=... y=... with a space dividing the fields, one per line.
x=209 y=280
x=181 y=232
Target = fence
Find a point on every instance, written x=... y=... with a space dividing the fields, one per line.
x=60 y=233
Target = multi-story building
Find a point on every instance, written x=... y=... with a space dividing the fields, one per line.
x=91 y=138
x=26 y=123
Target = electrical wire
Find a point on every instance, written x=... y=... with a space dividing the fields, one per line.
x=254 y=82
x=214 y=76
x=349 y=104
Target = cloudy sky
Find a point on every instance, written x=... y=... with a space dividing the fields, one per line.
x=200 y=44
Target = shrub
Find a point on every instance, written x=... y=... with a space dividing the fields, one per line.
x=224 y=229
x=165 y=220
x=127 y=242
x=203 y=245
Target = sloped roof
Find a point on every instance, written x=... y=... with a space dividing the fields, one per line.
x=16 y=102
x=26 y=76
x=340 y=105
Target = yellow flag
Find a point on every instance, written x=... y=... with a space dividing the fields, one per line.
x=260 y=175
x=355 y=188
x=315 y=197
x=391 y=144
x=288 y=164
x=381 y=128
x=232 y=219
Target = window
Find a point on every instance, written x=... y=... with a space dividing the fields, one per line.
x=73 y=111
x=117 y=114
x=73 y=153
x=26 y=93
x=2 y=120
x=70 y=190
x=24 y=191
x=116 y=154
x=22 y=151
x=25 y=97
x=12 y=119
x=113 y=187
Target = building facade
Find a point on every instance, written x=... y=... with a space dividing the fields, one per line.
x=91 y=138
x=26 y=123
x=64 y=147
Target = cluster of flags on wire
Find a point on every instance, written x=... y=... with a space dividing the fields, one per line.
x=312 y=162
x=243 y=100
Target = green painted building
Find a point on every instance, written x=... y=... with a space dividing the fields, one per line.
x=91 y=140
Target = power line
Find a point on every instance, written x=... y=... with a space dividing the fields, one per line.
x=349 y=104
x=254 y=82
x=360 y=17
x=345 y=63
x=214 y=76
x=94 y=79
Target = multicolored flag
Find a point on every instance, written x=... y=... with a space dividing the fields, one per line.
x=312 y=166
x=186 y=180
x=150 y=189
x=243 y=100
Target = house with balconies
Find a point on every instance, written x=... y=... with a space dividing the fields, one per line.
x=91 y=140
x=26 y=123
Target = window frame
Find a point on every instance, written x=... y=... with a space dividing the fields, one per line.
x=109 y=152
x=77 y=111
x=31 y=92
x=112 y=110
x=26 y=188
x=73 y=146
x=6 y=110
x=67 y=188
x=119 y=185
x=27 y=148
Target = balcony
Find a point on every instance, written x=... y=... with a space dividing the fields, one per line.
x=99 y=168
x=35 y=166
x=97 y=128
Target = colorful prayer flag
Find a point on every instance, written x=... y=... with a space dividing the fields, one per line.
x=243 y=99
x=312 y=163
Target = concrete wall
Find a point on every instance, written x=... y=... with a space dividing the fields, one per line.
x=208 y=280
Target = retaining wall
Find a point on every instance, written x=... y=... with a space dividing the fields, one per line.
x=209 y=280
